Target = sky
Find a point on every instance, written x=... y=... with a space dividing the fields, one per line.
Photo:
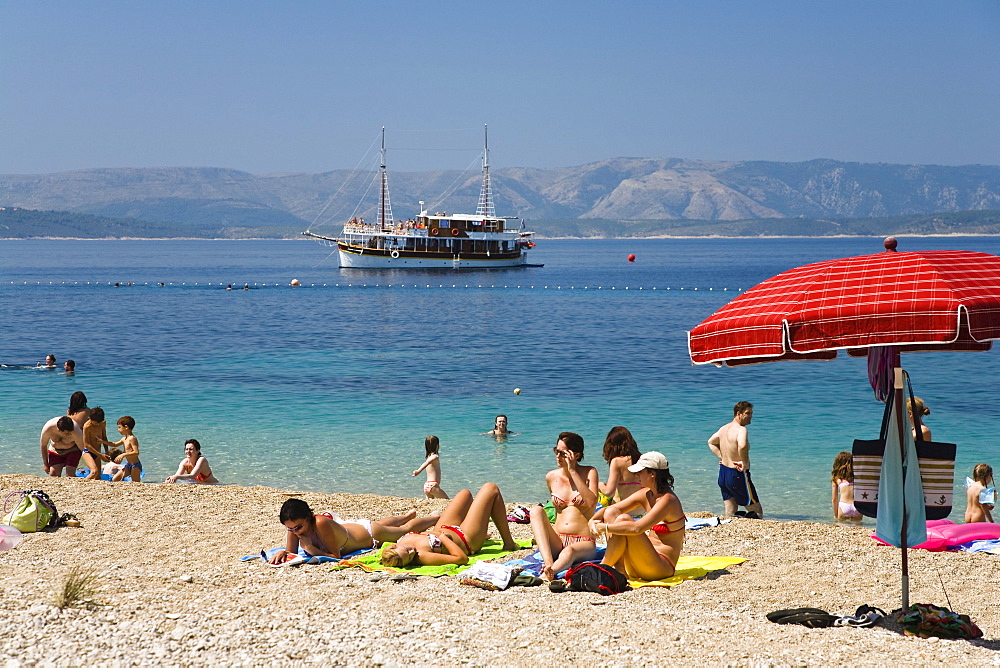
x=306 y=86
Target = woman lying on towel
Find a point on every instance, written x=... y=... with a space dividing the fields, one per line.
x=326 y=535
x=574 y=496
x=647 y=548
x=459 y=532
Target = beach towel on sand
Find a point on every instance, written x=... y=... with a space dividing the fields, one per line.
x=689 y=567
x=309 y=559
x=492 y=549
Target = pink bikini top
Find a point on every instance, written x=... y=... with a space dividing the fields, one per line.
x=560 y=504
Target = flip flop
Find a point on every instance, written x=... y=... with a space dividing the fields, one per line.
x=526 y=580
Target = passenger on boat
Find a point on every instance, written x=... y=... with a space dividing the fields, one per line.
x=647 y=548
x=574 y=495
x=460 y=531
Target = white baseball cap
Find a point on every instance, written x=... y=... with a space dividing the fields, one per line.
x=650 y=460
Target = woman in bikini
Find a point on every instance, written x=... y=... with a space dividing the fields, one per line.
x=457 y=534
x=647 y=548
x=620 y=452
x=327 y=535
x=574 y=495
x=193 y=468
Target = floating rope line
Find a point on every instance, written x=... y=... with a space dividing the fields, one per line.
x=243 y=285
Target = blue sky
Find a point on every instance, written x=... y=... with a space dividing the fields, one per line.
x=305 y=86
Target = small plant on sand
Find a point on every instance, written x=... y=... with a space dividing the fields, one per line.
x=77 y=590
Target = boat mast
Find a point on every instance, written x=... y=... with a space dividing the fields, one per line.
x=384 y=207
x=485 y=207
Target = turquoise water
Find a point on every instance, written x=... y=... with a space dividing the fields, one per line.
x=332 y=386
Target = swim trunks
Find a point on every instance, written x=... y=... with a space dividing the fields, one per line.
x=737 y=485
x=430 y=485
x=129 y=466
x=69 y=459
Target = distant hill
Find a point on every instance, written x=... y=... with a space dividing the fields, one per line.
x=621 y=196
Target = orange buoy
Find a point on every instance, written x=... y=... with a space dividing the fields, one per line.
x=631 y=257
x=295 y=281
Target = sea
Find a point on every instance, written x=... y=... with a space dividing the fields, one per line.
x=333 y=384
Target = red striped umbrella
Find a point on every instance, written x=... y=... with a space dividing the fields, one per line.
x=928 y=300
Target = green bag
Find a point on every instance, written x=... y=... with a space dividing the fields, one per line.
x=33 y=510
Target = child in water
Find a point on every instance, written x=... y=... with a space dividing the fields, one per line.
x=842 y=478
x=432 y=488
x=977 y=504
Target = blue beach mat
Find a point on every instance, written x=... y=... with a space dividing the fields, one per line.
x=84 y=472
x=309 y=559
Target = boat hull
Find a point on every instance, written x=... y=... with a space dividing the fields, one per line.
x=352 y=258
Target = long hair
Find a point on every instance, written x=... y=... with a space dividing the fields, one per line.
x=573 y=441
x=431 y=445
x=77 y=402
x=664 y=480
x=619 y=443
x=843 y=467
x=390 y=557
x=982 y=473
x=917 y=407
x=295 y=509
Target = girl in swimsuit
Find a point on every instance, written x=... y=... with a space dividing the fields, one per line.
x=432 y=464
x=326 y=535
x=574 y=495
x=620 y=452
x=842 y=479
x=459 y=532
x=193 y=468
x=647 y=548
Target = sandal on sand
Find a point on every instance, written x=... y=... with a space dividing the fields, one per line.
x=404 y=577
x=558 y=586
x=813 y=618
x=526 y=580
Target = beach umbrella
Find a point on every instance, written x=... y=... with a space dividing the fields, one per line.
x=877 y=306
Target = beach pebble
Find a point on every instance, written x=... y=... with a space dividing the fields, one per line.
x=187 y=578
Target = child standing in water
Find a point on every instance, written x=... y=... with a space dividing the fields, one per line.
x=977 y=504
x=132 y=467
x=842 y=479
x=432 y=464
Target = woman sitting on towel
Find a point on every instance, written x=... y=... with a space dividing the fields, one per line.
x=460 y=531
x=193 y=468
x=574 y=496
x=326 y=535
x=647 y=548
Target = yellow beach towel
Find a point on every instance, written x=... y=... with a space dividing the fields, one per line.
x=690 y=567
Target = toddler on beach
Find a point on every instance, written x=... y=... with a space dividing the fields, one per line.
x=111 y=468
x=132 y=467
x=432 y=464
x=980 y=494
x=842 y=478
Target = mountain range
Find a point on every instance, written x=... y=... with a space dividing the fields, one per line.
x=631 y=193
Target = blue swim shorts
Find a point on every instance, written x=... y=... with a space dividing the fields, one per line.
x=737 y=485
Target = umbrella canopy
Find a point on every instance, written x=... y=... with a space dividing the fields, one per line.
x=929 y=300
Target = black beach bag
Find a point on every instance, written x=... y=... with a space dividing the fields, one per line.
x=596 y=577
x=937 y=469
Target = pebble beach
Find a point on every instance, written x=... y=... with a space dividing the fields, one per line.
x=170 y=590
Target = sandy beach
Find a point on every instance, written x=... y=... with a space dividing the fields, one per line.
x=174 y=592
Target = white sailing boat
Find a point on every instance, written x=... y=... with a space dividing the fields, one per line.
x=432 y=240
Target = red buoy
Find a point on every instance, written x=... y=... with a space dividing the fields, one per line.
x=631 y=257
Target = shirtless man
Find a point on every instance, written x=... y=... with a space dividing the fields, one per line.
x=731 y=445
x=61 y=442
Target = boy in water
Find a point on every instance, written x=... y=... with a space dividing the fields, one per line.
x=975 y=509
x=132 y=467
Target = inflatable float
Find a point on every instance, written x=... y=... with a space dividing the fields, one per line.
x=946 y=535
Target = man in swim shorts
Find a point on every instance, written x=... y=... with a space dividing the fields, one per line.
x=61 y=442
x=731 y=445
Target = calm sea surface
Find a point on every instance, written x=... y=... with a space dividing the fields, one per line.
x=332 y=386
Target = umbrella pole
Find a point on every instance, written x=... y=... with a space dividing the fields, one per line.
x=898 y=390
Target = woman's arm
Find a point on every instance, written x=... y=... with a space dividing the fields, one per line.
x=611 y=486
x=836 y=500
x=291 y=547
x=666 y=506
x=456 y=555
x=180 y=472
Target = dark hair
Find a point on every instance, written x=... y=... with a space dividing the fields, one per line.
x=65 y=423
x=431 y=445
x=573 y=441
x=77 y=402
x=498 y=417
x=71 y=364
x=295 y=509
x=115 y=453
x=742 y=406
x=194 y=442
x=97 y=414
x=620 y=443
x=127 y=421
x=664 y=480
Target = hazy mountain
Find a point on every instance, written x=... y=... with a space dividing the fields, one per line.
x=622 y=190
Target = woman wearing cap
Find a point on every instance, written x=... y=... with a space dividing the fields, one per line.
x=573 y=488
x=647 y=548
